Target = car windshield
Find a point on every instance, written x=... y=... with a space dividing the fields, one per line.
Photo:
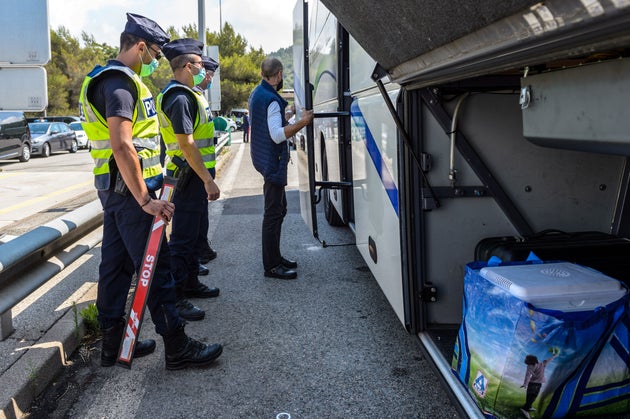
x=38 y=128
x=238 y=112
x=76 y=126
x=8 y=117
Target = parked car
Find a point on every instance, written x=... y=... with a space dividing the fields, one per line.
x=49 y=137
x=82 y=138
x=237 y=116
x=66 y=119
x=15 y=136
x=222 y=123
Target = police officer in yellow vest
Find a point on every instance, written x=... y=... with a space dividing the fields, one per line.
x=189 y=137
x=122 y=124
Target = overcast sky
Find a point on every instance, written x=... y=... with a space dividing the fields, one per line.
x=264 y=23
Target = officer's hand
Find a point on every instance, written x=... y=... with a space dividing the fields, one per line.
x=162 y=209
x=212 y=190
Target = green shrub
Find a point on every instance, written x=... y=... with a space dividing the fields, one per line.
x=89 y=314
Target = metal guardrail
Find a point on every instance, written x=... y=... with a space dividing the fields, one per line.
x=30 y=250
x=223 y=140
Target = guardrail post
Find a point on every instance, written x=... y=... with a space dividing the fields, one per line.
x=6 y=325
x=229 y=141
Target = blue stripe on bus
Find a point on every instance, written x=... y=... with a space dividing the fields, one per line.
x=375 y=155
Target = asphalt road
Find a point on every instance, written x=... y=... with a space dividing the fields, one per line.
x=325 y=345
x=35 y=192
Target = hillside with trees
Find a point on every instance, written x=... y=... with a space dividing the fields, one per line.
x=72 y=59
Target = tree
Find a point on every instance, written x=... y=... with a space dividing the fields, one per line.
x=72 y=60
x=229 y=42
x=189 y=31
x=68 y=66
x=59 y=96
x=242 y=77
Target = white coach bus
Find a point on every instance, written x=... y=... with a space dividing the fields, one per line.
x=441 y=126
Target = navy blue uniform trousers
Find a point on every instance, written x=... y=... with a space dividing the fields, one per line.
x=191 y=207
x=275 y=211
x=202 y=240
x=126 y=229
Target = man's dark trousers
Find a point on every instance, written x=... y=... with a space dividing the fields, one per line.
x=184 y=239
x=275 y=210
x=202 y=243
x=125 y=231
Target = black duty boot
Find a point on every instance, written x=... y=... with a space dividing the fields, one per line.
x=111 y=344
x=182 y=351
x=188 y=311
x=199 y=290
x=207 y=254
x=203 y=270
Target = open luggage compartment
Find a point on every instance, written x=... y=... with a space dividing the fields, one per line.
x=498 y=189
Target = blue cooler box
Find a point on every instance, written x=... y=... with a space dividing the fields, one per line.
x=544 y=340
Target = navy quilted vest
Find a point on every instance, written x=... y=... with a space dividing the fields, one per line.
x=269 y=158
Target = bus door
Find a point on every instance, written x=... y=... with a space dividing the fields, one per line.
x=303 y=99
x=312 y=157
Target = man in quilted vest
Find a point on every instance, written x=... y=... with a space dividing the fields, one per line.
x=270 y=156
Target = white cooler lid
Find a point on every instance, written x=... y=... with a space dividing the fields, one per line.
x=558 y=286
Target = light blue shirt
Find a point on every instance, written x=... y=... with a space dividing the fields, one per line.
x=274 y=122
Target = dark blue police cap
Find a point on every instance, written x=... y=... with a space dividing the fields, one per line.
x=145 y=28
x=182 y=46
x=209 y=63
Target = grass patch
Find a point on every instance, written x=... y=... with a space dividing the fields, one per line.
x=89 y=314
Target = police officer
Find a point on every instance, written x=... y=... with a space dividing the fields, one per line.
x=206 y=253
x=189 y=137
x=122 y=125
x=245 y=126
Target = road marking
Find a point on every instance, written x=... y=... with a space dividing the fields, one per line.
x=226 y=181
x=44 y=197
x=231 y=174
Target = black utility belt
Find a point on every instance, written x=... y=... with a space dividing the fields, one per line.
x=119 y=185
x=183 y=172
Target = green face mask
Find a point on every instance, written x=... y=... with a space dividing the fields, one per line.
x=148 y=69
x=199 y=77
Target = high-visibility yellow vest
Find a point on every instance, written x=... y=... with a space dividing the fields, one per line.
x=203 y=129
x=145 y=130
